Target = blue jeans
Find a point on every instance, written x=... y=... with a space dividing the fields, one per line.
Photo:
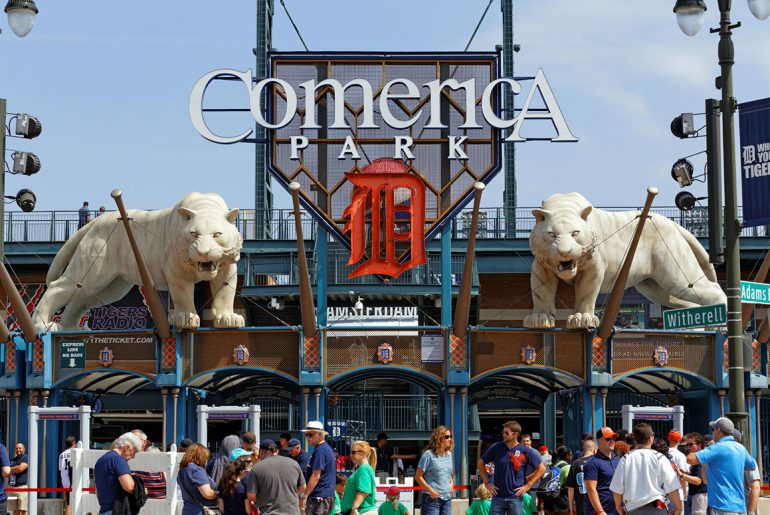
x=506 y=506
x=435 y=506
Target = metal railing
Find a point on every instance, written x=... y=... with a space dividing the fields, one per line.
x=58 y=226
x=384 y=412
x=282 y=270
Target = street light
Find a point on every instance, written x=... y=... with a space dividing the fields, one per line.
x=689 y=14
x=21 y=16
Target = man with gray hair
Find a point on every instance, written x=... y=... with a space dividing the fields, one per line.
x=143 y=437
x=112 y=472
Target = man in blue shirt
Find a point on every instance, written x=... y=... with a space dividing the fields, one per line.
x=598 y=473
x=514 y=464
x=111 y=471
x=725 y=478
x=18 y=478
x=322 y=470
x=5 y=468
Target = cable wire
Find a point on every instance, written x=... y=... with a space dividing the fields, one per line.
x=295 y=26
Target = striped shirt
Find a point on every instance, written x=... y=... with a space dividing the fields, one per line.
x=154 y=482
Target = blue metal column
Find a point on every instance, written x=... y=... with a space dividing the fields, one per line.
x=548 y=418
x=446 y=275
x=509 y=157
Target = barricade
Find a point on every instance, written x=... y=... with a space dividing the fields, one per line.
x=83 y=461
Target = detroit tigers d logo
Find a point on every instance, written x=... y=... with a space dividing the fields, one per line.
x=388 y=203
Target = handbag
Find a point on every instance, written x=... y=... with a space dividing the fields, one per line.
x=207 y=510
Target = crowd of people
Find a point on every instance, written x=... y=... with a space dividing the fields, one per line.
x=616 y=473
x=620 y=473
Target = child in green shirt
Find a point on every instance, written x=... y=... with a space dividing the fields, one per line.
x=481 y=505
x=392 y=505
x=339 y=488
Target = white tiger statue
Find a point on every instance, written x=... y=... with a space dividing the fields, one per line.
x=578 y=244
x=193 y=241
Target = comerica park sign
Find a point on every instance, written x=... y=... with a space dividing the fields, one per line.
x=329 y=121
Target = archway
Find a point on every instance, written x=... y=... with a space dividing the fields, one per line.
x=657 y=386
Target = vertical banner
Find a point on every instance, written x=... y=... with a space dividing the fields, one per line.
x=754 y=120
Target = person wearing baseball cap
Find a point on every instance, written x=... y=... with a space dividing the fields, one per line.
x=275 y=483
x=725 y=461
x=297 y=454
x=598 y=473
x=322 y=472
x=678 y=458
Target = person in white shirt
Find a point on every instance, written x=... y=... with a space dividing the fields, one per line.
x=679 y=460
x=65 y=470
x=644 y=478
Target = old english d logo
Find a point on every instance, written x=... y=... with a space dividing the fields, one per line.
x=374 y=202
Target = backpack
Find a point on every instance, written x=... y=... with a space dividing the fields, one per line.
x=550 y=486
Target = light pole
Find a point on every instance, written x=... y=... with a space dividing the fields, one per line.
x=690 y=14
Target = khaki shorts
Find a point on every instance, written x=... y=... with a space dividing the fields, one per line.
x=23 y=502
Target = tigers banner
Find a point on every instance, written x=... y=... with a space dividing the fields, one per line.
x=754 y=119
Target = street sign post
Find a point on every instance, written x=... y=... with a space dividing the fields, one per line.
x=715 y=314
x=755 y=293
x=73 y=354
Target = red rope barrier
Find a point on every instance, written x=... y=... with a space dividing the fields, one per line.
x=417 y=488
x=46 y=490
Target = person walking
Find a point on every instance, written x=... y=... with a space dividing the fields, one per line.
x=751 y=482
x=361 y=487
x=65 y=470
x=435 y=473
x=18 y=477
x=696 y=487
x=322 y=472
x=725 y=461
x=84 y=215
x=513 y=463
x=275 y=482
x=111 y=471
x=232 y=492
x=575 y=483
x=198 y=489
x=598 y=472
x=644 y=478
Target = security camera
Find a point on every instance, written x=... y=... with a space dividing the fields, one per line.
x=516 y=48
x=26 y=200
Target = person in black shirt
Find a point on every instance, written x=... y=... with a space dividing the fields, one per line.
x=575 y=483
x=697 y=501
x=386 y=457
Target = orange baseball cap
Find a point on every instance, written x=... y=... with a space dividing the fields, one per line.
x=606 y=432
x=674 y=436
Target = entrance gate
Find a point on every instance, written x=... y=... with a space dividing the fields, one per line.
x=660 y=418
x=35 y=414
x=206 y=413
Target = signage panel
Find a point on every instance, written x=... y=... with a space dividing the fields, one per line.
x=754 y=122
x=72 y=354
x=755 y=293
x=699 y=316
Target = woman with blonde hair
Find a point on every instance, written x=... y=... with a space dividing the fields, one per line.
x=360 y=489
x=435 y=473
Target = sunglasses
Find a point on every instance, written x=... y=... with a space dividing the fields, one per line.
x=447 y=437
x=357 y=452
x=690 y=444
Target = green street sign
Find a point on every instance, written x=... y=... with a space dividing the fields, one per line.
x=755 y=293
x=699 y=316
x=73 y=354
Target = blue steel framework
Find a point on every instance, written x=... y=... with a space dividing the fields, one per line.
x=586 y=397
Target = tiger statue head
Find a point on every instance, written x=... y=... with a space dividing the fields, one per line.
x=562 y=236
x=205 y=235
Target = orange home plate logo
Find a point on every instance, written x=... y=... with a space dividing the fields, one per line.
x=388 y=203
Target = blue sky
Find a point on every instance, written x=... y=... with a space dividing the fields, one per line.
x=111 y=81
